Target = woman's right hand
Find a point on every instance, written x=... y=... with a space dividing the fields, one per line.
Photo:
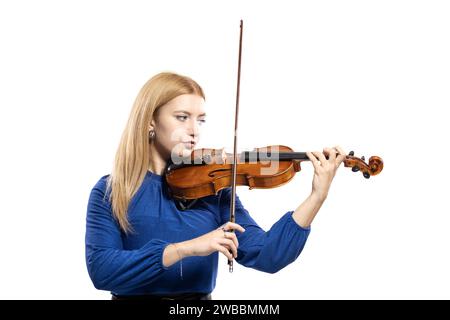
x=221 y=240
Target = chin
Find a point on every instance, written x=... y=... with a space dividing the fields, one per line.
x=180 y=151
x=186 y=152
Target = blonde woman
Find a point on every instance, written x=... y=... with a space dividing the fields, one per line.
x=141 y=244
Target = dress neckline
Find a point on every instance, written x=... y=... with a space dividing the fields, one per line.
x=154 y=176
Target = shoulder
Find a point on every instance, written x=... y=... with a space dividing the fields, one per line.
x=102 y=183
x=215 y=200
x=224 y=192
x=99 y=189
x=224 y=196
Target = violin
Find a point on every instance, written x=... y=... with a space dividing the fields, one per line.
x=207 y=171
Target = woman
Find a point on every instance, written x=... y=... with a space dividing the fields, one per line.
x=140 y=244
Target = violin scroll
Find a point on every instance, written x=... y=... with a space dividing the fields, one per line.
x=374 y=167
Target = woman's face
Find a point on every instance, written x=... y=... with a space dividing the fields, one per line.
x=177 y=125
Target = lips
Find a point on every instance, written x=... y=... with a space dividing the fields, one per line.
x=189 y=144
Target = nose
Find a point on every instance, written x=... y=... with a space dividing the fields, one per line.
x=193 y=129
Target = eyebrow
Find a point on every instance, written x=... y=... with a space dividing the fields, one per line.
x=188 y=113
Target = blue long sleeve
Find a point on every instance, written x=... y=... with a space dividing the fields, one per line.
x=131 y=264
x=109 y=265
x=265 y=251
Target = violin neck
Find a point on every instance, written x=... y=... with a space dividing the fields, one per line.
x=251 y=156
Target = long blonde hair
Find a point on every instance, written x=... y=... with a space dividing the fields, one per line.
x=132 y=158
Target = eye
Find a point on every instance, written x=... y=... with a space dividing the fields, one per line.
x=202 y=121
x=182 y=118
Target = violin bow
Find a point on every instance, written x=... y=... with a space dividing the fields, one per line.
x=234 y=164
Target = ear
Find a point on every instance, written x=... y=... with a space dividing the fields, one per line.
x=151 y=126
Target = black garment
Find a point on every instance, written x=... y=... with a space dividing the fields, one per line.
x=181 y=296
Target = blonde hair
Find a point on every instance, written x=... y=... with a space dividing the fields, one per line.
x=132 y=158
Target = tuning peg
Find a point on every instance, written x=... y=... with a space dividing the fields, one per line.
x=355 y=169
x=351 y=153
x=363 y=158
x=366 y=175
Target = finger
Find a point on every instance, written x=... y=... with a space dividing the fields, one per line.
x=321 y=157
x=313 y=160
x=331 y=153
x=340 y=150
x=233 y=226
x=233 y=254
x=229 y=244
x=223 y=250
x=232 y=236
x=341 y=156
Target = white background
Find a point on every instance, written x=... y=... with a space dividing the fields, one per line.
x=372 y=76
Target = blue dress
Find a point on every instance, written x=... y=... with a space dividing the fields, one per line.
x=132 y=264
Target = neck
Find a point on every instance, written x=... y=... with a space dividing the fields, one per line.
x=157 y=161
x=282 y=156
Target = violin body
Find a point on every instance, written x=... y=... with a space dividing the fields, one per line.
x=200 y=180
x=208 y=171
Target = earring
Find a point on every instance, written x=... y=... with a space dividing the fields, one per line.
x=151 y=135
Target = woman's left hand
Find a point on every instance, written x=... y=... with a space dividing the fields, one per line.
x=325 y=170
